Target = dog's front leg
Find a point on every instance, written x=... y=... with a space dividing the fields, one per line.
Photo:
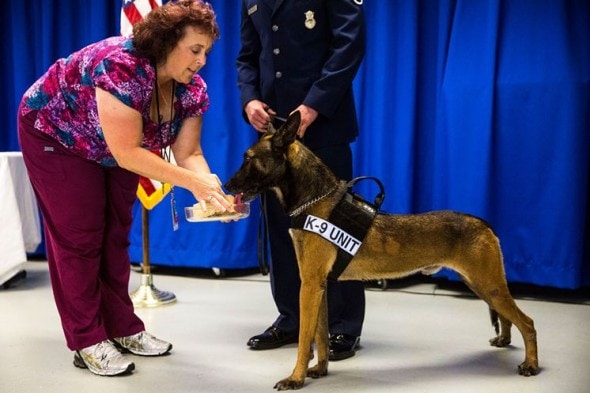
x=321 y=341
x=310 y=297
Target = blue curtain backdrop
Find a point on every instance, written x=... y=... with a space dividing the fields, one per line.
x=477 y=106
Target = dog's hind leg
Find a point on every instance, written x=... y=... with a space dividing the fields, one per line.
x=510 y=314
x=498 y=297
x=501 y=325
x=322 y=342
x=482 y=268
x=504 y=335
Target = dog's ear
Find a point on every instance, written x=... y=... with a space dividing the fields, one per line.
x=289 y=129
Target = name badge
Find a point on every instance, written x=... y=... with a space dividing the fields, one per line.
x=309 y=19
x=252 y=9
x=335 y=235
x=173 y=210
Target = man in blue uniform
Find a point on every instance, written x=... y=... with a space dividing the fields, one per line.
x=304 y=55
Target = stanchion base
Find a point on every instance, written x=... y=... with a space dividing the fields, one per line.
x=149 y=296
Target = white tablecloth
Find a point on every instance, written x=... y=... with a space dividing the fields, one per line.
x=20 y=227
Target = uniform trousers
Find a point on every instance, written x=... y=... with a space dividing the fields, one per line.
x=86 y=211
x=346 y=299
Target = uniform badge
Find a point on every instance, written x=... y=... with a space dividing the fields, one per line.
x=309 y=20
x=252 y=9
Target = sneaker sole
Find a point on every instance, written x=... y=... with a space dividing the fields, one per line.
x=79 y=362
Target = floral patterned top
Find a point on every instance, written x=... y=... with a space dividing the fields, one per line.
x=65 y=100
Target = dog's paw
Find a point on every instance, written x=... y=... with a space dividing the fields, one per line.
x=500 y=341
x=318 y=371
x=527 y=369
x=288 y=384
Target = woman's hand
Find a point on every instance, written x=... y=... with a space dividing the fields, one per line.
x=208 y=190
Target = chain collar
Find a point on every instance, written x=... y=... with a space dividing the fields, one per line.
x=301 y=208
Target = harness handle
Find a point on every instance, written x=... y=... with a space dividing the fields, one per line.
x=379 y=198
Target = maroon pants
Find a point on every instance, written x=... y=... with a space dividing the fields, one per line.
x=86 y=212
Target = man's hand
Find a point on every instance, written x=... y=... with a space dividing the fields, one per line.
x=308 y=116
x=259 y=114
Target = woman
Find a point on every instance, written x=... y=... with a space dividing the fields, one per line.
x=87 y=129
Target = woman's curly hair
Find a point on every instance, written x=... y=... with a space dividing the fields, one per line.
x=160 y=31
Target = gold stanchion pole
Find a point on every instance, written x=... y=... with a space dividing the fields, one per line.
x=147 y=295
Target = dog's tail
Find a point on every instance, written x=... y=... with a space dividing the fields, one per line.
x=494 y=318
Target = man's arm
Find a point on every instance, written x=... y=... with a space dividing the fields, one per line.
x=347 y=23
x=247 y=61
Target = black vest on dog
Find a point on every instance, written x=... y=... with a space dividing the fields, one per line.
x=347 y=225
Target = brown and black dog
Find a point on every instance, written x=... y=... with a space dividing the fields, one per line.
x=394 y=246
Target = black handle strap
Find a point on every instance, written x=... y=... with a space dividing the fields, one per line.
x=380 y=196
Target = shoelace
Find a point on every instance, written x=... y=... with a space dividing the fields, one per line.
x=138 y=337
x=135 y=339
x=105 y=350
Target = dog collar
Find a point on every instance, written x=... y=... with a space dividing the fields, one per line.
x=301 y=208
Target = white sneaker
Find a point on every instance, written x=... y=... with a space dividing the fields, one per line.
x=103 y=359
x=143 y=344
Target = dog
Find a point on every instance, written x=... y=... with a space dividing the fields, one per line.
x=394 y=246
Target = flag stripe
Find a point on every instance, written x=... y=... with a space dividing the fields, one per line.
x=144 y=7
x=134 y=11
x=148 y=185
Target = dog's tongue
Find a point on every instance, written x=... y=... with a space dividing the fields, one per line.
x=238 y=199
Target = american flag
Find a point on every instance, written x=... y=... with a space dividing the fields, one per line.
x=149 y=192
x=133 y=11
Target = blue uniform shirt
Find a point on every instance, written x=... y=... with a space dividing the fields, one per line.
x=304 y=52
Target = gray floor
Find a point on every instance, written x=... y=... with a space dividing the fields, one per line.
x=418 y=338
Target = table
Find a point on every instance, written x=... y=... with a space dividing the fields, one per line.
x=20 y=226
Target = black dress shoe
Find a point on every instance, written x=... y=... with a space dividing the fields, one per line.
x=343 y=346
x=272 y=338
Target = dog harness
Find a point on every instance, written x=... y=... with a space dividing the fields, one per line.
x=346 y=226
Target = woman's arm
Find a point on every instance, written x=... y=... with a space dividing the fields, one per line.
x=122 y=127
x=187 y=147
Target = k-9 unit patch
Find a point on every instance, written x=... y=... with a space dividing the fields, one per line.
x=337 y=236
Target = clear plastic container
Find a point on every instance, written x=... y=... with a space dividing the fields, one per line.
x=242 y=210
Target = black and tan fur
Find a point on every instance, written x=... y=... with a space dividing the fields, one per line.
x=395 y=246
